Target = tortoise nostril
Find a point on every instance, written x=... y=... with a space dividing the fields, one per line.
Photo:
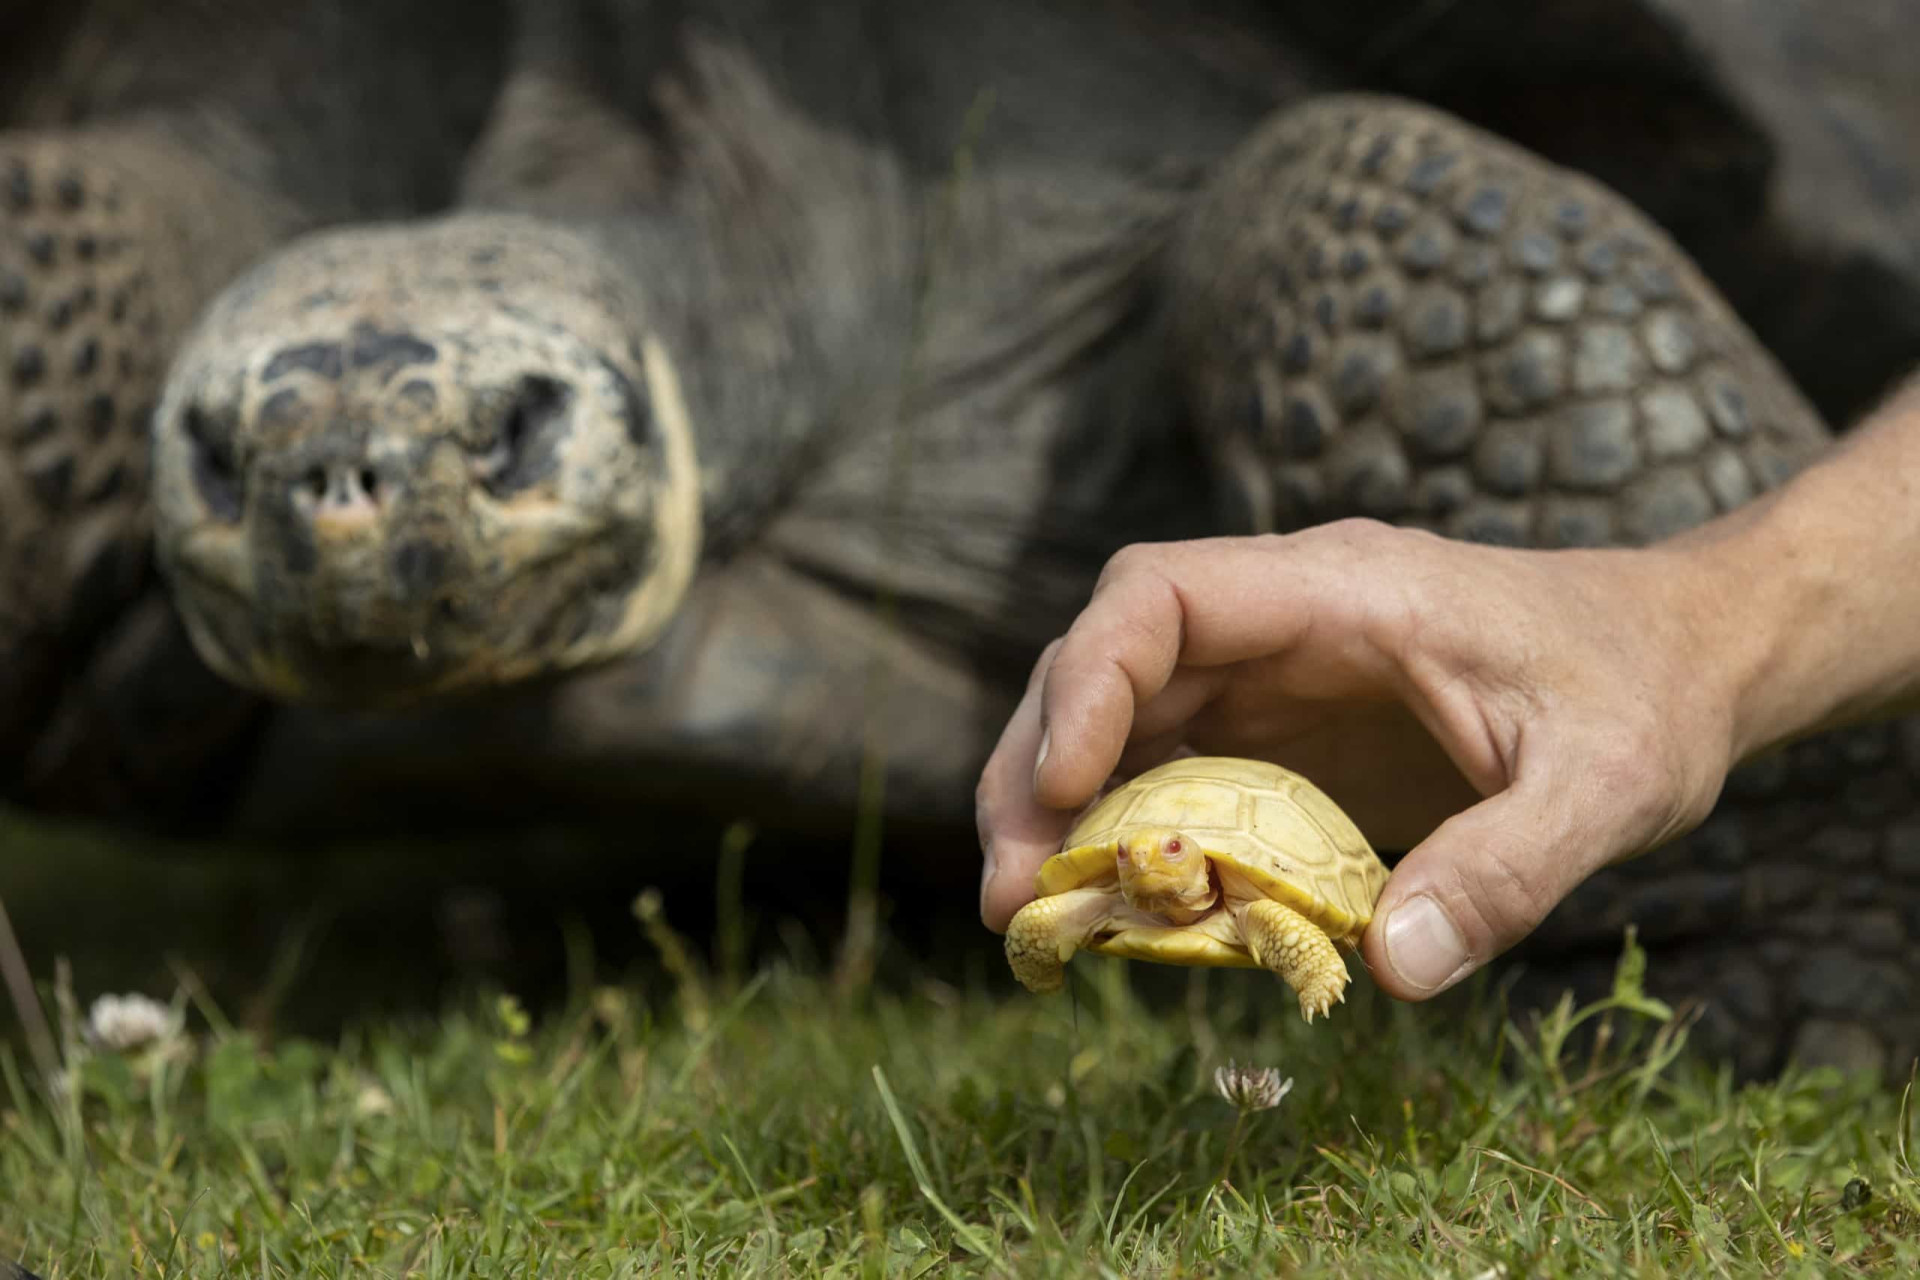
x=341 y=489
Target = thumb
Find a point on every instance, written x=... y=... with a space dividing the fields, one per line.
x=1017 y=832
x=1479 y=884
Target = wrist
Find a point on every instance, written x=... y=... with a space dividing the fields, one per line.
x=1760 y=608
x=1801 y=602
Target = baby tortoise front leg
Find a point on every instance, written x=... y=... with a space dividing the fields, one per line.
x=1047 y=931
x=1281 y=939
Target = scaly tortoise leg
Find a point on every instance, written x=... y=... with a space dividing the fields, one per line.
x=1379 y=310
x=109 y=241
x=1045 y=933
x=1384 y=312
x=1292 y=946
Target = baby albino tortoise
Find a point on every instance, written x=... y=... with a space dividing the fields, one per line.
x=1207 y=861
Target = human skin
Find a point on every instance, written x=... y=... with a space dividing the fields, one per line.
x=1517 y=719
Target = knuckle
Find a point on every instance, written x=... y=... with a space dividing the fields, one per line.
x=1641 y=778
x=1502 y=891
x=1366 y=538
x=1356 y=529
x=1128 y=637
x=1044 y=663
x=1131 y=560
x=1378 y=548
x=1625 y=763
x=1389 y=592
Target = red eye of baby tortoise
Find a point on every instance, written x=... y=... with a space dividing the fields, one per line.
x=1173 y=846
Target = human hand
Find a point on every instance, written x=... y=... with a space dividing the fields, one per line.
x=1518 y=719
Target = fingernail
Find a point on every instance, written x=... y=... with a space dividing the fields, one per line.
x=987 y=862
x=1040 y=757
x=1423 y=946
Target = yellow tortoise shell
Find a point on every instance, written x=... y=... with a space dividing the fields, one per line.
x=1269 y=824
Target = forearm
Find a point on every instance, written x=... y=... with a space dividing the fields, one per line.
x=1813 y=593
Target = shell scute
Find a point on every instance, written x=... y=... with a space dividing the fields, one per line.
x=1271 y=827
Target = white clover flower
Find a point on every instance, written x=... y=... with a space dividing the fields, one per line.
x=372 y=1100
x=1251 y=1088
x=124 y=1023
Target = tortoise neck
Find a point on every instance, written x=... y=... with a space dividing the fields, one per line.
x=747 y=343
x=772 y=250
x=786 y=311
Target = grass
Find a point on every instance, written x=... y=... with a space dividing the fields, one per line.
x=780 y=1126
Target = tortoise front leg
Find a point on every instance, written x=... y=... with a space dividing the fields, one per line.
x=110 y=237
x=1381 y=311
x=1046 y=932
x=1283 y=940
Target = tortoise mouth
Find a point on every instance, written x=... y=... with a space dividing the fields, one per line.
x=1135 y=914
x=536 y=620
x=368 y=673
x=1173 y=907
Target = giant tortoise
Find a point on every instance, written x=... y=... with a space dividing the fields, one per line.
x=612 y=401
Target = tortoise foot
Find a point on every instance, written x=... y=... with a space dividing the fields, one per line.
x=1291 y=945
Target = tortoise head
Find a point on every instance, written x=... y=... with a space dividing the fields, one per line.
x=394 y=462
x=1164 y=872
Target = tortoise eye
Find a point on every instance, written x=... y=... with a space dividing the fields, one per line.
x=1173 y=846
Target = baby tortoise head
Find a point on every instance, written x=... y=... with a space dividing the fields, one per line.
x=398 y=462
x=1164 y=873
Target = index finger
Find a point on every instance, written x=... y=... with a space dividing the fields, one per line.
x=1017 y=834
x=1155 y=609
